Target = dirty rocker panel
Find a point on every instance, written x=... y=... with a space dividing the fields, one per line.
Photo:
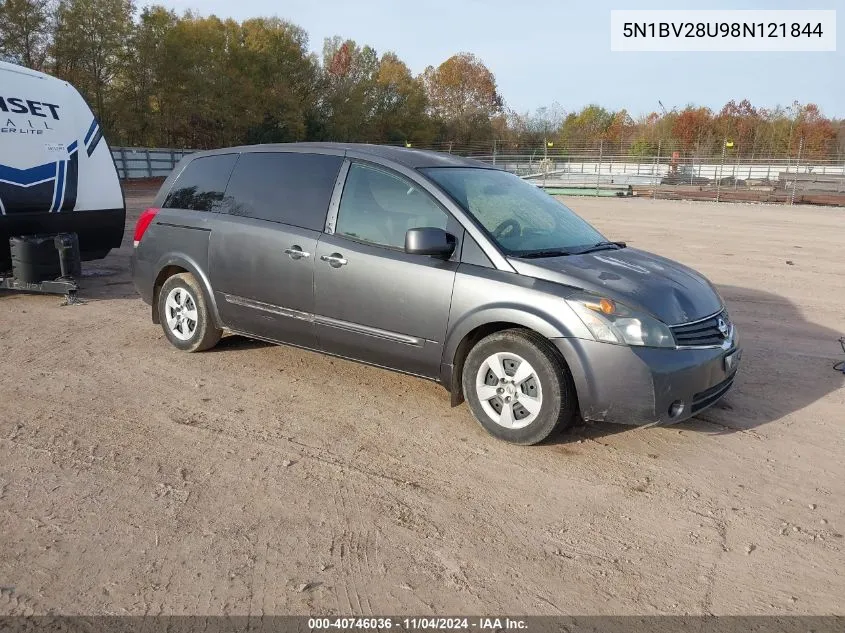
x=315 y=318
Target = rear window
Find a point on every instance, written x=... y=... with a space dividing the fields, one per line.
x=287 y=187
x=201 y=184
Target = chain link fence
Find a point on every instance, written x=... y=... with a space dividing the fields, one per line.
x=613 y=171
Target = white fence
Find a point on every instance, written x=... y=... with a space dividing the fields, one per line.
x=625 y=170
x=146 y=162
x=584 y=171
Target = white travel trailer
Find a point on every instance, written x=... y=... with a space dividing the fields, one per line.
x=57 y=175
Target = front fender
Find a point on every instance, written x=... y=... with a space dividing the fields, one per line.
x=484 y=297
x=188 y=263
x=550 y=326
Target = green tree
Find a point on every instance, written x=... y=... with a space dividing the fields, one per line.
x=282 y=79
x=642 y=147
x=25 y=31
x=399 y=104
x=587 y=127
x=90 y=49
x=144 y=106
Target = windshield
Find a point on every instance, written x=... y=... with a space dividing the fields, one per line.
x=520 y=217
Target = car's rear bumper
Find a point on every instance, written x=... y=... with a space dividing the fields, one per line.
x=630 y=385
x=141 y=272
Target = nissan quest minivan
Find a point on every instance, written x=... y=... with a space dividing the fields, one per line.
x=437 y=266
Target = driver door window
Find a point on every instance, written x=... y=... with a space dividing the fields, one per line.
x=379 y=208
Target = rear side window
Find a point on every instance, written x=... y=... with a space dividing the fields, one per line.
x=287 y=187
x=201 y=184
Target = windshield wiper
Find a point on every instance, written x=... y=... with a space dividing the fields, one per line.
x=549 y=252
x=600 y=246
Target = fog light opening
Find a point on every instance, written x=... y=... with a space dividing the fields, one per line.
x=676 y=409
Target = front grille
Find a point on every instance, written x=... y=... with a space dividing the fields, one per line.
x=706 y=398
x=704 y=333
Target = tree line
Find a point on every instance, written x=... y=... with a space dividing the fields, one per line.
x=157 y=78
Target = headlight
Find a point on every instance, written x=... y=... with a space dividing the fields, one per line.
x=613 y=322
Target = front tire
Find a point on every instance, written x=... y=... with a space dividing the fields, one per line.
x=518 y=387
x=184 y=315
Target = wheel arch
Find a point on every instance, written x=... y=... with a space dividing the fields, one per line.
x=469 y=331
x=170 y=265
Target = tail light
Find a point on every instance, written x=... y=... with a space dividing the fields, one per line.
x=143 y=224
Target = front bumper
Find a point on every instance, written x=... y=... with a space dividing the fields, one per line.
x=639 y=385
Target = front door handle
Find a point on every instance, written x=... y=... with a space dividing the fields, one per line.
x=336 y=260
x=296 y=252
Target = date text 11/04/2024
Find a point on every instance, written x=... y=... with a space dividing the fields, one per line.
x=721 y=29
x=419 y=624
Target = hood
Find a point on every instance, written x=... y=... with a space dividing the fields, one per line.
x=664 y=288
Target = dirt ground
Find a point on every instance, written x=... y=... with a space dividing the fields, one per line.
x=137 y=479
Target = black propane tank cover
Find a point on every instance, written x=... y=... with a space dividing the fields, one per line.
x=34 y=258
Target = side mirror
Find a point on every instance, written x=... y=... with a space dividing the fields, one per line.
x=429 y=241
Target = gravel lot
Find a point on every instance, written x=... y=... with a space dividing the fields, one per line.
x=136 y=479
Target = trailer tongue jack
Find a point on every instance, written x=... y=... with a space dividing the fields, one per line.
x=44 y=263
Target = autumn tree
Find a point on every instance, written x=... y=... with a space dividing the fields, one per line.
x=645 y=136
x=691 y=129
x=462 y=94
x=814 y=134
x=350 y=75
x=738 y=122
x=620 y=128
x=158 y=78
x=25 y=31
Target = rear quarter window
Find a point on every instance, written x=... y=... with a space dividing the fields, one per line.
x=287 y=187
x=202 y=184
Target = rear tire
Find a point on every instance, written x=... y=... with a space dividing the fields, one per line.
x=184 y=314
x=518 y=387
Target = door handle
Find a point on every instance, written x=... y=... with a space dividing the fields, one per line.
x=335 y=259
x=296 y=252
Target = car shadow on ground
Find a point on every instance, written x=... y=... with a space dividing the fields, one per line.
x=236 y=342
x=101 y=280
x=787 y=360
x=787 y=365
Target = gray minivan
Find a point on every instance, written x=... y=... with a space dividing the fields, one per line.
x=437 y=266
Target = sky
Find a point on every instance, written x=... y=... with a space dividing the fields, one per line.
x=548 y=51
